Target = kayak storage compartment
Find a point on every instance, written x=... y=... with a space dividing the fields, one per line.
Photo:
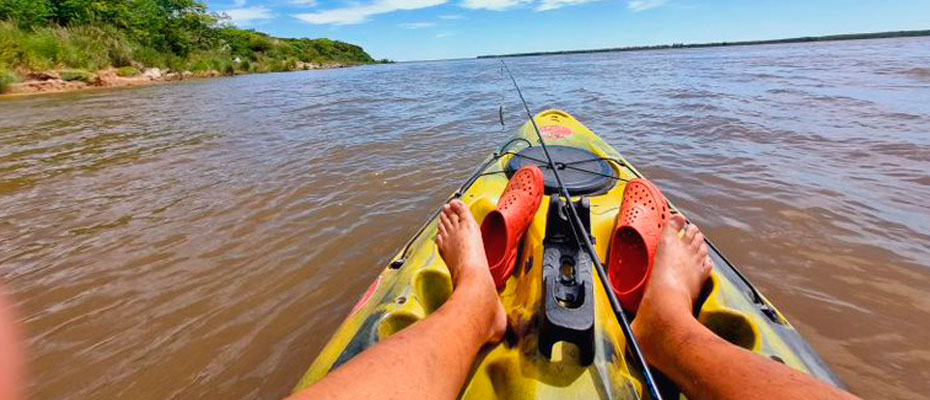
x=395 y=322
x=582 y=172
x=432 y=288
x=732 y=326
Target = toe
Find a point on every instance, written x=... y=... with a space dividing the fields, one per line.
x=672 y=227
x=458 y=207
x=675 y=223
x=451 y=215
x=690 y=232
x=707 y=267
x=444 y=221
x=443 y=231
x=699 y=237
x=462 y=210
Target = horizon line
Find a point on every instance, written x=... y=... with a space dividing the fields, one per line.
x=674 y=46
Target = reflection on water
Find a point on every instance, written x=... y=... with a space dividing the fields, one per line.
x=203 y=240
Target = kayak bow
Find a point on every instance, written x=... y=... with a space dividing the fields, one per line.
x=558 y=347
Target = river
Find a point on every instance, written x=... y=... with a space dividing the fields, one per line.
x=204 y=239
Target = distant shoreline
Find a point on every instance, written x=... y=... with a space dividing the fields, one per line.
x=803 y=39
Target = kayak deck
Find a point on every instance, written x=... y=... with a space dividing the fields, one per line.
x=417 y=282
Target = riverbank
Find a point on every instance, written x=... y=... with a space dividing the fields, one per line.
x=803 y=39
x=48 y=46
x=61 y=81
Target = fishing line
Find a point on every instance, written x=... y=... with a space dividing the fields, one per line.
x=582 y=238
x=478 y=173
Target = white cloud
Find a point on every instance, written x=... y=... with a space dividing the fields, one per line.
x=642 y=5
x=451 y=17
x=238 y=3
x=357 y=14
x=417 y=25
x=546 y=5
x=248 y=14
x=495 y=5
x=307 y=3
x=441 y=35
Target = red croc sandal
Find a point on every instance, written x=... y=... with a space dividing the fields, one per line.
x=502 y=229
x=633 y=244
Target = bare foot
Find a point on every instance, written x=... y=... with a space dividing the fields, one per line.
x=681 y=268
x=461 y=247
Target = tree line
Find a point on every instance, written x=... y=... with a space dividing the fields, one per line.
x=805 y=39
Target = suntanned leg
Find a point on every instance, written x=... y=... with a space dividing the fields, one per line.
x=12 y=384
x=701 y=364
x=431 y=358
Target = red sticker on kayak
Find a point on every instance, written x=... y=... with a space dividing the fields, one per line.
x=555 y=132
x=367 y=297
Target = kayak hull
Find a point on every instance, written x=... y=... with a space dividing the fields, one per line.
x=417 y=282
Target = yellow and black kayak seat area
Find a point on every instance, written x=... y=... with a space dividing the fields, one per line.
x=563 y=341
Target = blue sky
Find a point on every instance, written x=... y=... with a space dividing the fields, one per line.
x=436 y=29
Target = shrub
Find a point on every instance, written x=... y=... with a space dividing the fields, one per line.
x=43 y=48
x=91 y=47
x=200 y=65
x=29 y=13
x=39 y=51
x=177 y=64
x=7 y=79
x=120 y=57
x=260 y=43
x=127 y=71
x=227 y=68
x=149 y=57
x=279 y=65
x=261 y=68
x=77 y=75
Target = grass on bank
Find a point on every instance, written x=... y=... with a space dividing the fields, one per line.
x=131 y=35
x=81 y=75
x=96 y=47
x=7 y=78
x=128 y=71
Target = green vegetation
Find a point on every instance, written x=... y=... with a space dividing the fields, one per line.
x=77 y=75
x=177 y=35
x=7 y=78
x=127 y=71
x=849 y=36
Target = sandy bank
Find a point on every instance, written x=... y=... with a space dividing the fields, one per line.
x=46 y=82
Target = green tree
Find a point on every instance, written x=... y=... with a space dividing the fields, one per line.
x=28 y=13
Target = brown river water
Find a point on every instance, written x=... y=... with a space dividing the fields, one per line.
x=203 y=240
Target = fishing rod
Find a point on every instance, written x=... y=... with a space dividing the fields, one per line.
x=582 y=238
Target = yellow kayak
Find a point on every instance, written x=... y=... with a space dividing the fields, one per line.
x=540 y=358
